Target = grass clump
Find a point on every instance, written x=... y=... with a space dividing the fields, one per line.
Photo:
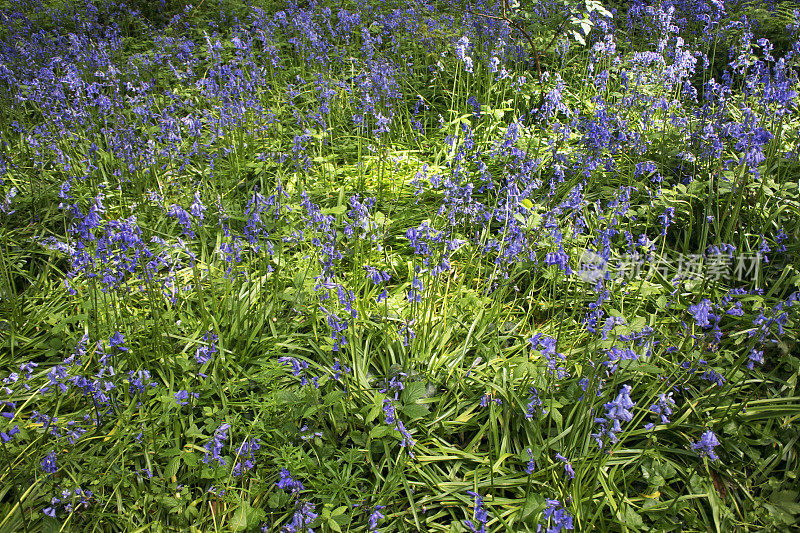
x=376 y=266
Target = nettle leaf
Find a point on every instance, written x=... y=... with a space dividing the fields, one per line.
x=534 y=504
x=239 y=522
x=413 y=392
x=380 y=431
x=336 y=210
x=189 y=458
x=172 y=467
x=416 y=410
x=632 y=518
x=787 y=500
x=173 y=505
x=50 y=525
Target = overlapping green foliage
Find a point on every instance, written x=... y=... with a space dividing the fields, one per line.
x=383 y=266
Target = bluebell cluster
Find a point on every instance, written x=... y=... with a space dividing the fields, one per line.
x=185 y=172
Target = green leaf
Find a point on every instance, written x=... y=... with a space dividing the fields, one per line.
x=239 y=522
x=172 y=467
x=632 y=518
x=334 y=525
x=189 y=458
x=415 y=410
x=380 y=431
x=413 y=392
x=373 y=414
x=333 y=397
x=172 y=504
x=50 y=525
x=274 y=500
x=787 y=501
x=337 y=210
x=534 y=504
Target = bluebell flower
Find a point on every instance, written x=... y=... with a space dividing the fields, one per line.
x=567 y=466
x=137 y=382
x=556 y=518
x=376 y=275
x=531 y=463
x=5 y=205
x=534 y=404
x=415 y=294
x=299 y=368
x=117 y=341
x=619 y=411
x=184 y=219
x=338 y=368
x=197 y=208
x=480 y=515
x=407 y=440
x=666 y=219
x=408 y=333
x=395 y=383
x=712 y=375
x=246 y=456
x=305 y=434
x=182 y=397
x=391 y=419
x=389 y=411
x=702 y=313
x=547 y=346
x=301 y=519
x=203 y=353
x=755 y=357
x=609 y=324
x=486 y=398
x=57 y=375
x=288 y=483
x=8 y=436
x=214 y=446
x=705 y=446
x=28 y=369
x=374 y=517
x=49 y=463
x=663 y=407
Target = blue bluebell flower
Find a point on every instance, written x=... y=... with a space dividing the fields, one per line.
x=182 y=397
x=567 y=466
x=246 y=456
x=214 y=446
x=9 y=435
x=480 y=515
x=619 y=411
x=534 y=404
x=288 y=483
x=705 y=446
x=531 y=466
x=375 y=517
x=301 y=519
x=556 y=518
x=702 y=313
x=49 y=463
x=663 y=407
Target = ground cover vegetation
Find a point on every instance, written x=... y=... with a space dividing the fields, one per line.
x=399 y=266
